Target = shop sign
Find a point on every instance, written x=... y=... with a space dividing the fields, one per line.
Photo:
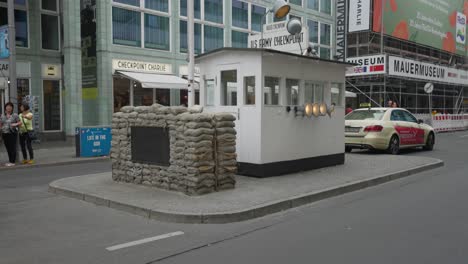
x=140 y=66
x=340 y=53
x=23 y=69
x=359 y=15
x=426 y=71
x=281 y=40
x=51 y=71
x=367 y=65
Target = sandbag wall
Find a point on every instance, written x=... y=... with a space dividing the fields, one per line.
x=202 y=149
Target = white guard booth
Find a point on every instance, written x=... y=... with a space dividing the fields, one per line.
x=267 y=91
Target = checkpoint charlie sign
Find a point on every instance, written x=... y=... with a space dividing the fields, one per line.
x=277 y=37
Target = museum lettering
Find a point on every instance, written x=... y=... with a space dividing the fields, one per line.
x=418 y=69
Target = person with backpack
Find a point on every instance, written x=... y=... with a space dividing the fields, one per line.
x=26 y=132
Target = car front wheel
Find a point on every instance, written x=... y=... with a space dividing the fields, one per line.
x=430 y=142
x=394 y=146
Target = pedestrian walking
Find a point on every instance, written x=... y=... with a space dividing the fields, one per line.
x=9 y=123
x=26 y=134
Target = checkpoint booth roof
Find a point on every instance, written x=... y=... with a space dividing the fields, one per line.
x=289 y=107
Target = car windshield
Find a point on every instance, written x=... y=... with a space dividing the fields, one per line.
x=365 y=115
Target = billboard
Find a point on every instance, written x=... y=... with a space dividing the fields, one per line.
x=359 y=15
x=4 y=47
x=437 y=23
x=367 y=65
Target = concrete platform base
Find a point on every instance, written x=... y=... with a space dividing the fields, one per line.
x=253 y=197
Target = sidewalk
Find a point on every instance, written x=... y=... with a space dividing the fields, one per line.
x=251 y=198
x=48 y=154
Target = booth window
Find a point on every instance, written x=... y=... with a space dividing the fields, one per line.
x=183 y=8
x=271 y=91
x=229 y=87
x=292 y=92
x=240 y=39
x=126 y=26
x=157 y=32
x=183 y=37
x=337 y=93
x=249 y=90
x=210 y=89
x=313 y=92
x=214 y=11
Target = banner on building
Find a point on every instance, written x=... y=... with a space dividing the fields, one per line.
x=367 y=65
x=340 y=53
x=426 y=71
x=4 y=42
x=359 y=15
x=278 y=38
x=435 y=23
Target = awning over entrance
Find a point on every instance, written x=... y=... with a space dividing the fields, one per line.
x=348 y=93
x=160 y=81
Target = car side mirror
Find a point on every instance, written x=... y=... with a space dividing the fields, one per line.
x=420 y=121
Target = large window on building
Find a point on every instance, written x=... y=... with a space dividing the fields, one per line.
x=21 y=23
x=50 y=32
x=313 y=4
x=325 y=6
x=52 y=105
x=257 y=15
x=296 y=2
x=159 y=5
x=121 y=92
x=49 y=5
x=320 y=34
x=240 y=14
x=229 y=87
x=142 y=96
x=150 y=15
x=197 y=8
x=239 y=39
x=157 y=32
x=183 y=37
x=213 y=38
x=126 y=27
x=214 y=11
x=271 y=91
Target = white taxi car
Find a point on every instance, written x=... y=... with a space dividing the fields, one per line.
x=389 y=129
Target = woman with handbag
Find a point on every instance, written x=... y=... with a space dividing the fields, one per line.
x=9 y=123
x=27 y=134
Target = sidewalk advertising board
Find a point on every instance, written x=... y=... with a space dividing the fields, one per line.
x=93 y=141
x=4 y=47
x=277 y=37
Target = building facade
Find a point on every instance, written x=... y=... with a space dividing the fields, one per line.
x=421 y=43
x=72 y=53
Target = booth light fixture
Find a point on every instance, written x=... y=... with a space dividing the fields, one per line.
x=280 y=9
x=308 y=109
x=323 y=109
x=316 y=109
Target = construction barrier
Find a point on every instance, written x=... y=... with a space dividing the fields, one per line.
x=445 y=122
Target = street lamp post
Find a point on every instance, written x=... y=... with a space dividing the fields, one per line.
x=13 y=92
x=191 y=51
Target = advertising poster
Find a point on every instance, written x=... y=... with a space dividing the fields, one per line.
x=437 y=23
x=4 y=47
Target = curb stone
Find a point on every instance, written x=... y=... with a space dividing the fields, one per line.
x=52 y=164
x=248 y=213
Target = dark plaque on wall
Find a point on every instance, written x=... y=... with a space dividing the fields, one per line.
x=150 y=145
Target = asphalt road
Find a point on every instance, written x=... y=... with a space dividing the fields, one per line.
x=419 y=219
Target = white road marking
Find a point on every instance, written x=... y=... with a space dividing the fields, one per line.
x=145 y=240
x=464 y=136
